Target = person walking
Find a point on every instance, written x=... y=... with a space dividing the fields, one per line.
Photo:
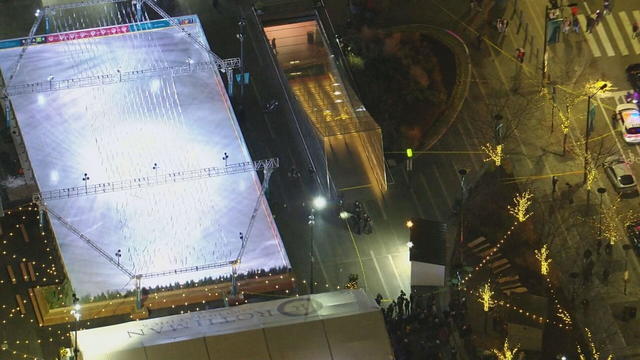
x=576 y=24
x=566 y=25
x=273 y=45
x=520 y=55
x=554 y=185
x=591 y=22
x=635 y=30
x=606 y=7
x=598 y=17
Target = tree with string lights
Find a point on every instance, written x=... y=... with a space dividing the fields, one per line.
x=521 y=205
x=506 y=353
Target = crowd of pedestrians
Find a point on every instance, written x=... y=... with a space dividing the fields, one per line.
x=419 y=330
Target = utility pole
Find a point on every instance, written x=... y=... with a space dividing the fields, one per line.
x=241 y=23
x=589 y=121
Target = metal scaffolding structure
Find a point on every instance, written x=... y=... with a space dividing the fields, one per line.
x=224 y=65
x=89 y=242
x=155 y=180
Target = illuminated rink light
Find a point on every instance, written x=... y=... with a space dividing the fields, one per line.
x=119 y=131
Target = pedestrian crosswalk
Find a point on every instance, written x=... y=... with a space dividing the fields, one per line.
x=613 y=36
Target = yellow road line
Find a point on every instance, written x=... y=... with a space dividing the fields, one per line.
x=355 y=187
x=355 y=246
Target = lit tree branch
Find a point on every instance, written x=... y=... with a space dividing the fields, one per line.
x=506 y=353
x=486 y=296
x=495 y=153
x=542 y=255
x=522 y=203
x=595 y=354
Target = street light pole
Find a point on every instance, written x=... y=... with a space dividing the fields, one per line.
x=626 y=248
x=318 y=204
x=462 y=173
x=312 y=222
x=76 y=314
x=587 y=130
x=601 y=191
x=242 y=22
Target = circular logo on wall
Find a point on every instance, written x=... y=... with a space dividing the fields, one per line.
x=300 y=307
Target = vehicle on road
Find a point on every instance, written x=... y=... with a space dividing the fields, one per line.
x=619 y=173
x=629 y=116
x=633 y=75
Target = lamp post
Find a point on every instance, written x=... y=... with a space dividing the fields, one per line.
x=462 y=173
x=50 y=78
x=601 y=191
x=85 y=178
x=587 y=130
x=626 y=248
x=76 y=314
x=241 y=23
x=318 y=204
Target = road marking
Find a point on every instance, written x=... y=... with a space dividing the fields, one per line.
x=627 y=25
x=617 y=35
x=395 y=271
x=375 y=263
x=466 y=143
x=413 y=194
x=317 y=256
x=590 y=39
x=444 y=189
x=436 y=209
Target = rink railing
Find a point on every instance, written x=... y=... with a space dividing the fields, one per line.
x=154 y=180
x=115 y=78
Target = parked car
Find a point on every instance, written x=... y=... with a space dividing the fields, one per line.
x=619 y=173
x=633 y=75
x=629 y=116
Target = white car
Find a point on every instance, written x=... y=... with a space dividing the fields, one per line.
x=629 y=115
x=619 y=173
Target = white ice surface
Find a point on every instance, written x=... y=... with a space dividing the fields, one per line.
x=118 y=132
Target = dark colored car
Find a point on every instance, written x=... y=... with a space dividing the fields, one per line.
x=633 y=75
x=633 y=234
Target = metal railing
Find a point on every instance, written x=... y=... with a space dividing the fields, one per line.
x=148 y=181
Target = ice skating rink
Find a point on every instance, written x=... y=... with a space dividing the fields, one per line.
x=120 y=131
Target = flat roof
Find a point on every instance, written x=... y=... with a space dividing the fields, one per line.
x=124 y=130
x=127 y=340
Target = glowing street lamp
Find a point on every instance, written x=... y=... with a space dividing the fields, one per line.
x=409 y=224
x=318 y=203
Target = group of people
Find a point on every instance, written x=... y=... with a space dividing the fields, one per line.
x=362 y=220
x=419 y=330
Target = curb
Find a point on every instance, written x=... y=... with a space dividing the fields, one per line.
x=463 y=73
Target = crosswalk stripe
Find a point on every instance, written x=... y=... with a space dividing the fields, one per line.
x=627 y=25
x=590 y=40
x=605 y=40
x=617 y=35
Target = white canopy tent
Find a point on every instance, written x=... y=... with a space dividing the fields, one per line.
x=338 y=325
